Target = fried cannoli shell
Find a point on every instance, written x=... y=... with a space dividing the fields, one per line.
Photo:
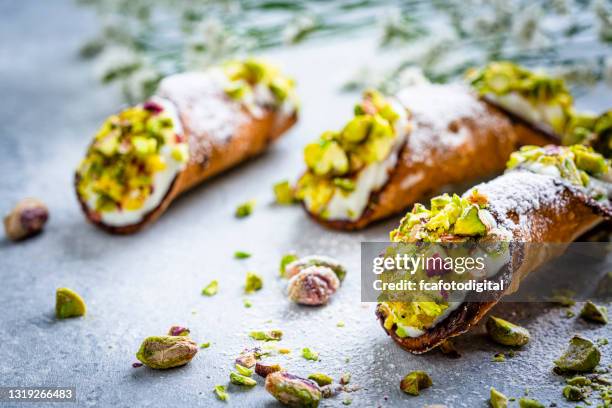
x=220 y=134
x=455 y=138
x=537 y=209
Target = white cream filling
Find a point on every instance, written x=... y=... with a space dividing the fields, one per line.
x=162 y=180
x=537 y=113
x=351 y=205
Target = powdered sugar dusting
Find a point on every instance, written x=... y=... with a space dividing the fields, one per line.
x=208 y=115
x=435 y=110
x=521 y=193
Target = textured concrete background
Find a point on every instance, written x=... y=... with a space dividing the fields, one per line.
x=140 y=285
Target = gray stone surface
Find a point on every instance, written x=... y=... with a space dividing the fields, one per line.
x=140 y=285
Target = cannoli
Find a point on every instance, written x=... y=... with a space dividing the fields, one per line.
x=549 y=194
x=197 y=125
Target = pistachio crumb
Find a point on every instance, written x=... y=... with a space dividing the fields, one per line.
x=240 y=379
x=253 y=283
x=497 y=399
x=211 y=289
x=245 y=209
x=598 y=314
x=309 y=354
x=321 y=379
x=340 y=324
x=271 y=335
x=241 y=255
x=414 y=382
x=499 y=357
x=581 y=356
x=506 y=333
x=247 y=303
x=221 y=392
x=530 y=403
x=244 y=370
x=68 y=303
x=284 y=193
x=347 y=401
x=205 y=345
x=286 y=260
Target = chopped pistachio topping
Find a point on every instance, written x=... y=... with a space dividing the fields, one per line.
x=245 y=209
x=245 y=76
x=504 y=78
x=244 y=371
x=499 y=358
x=253 y=283
x=573 y=393
x=590 y=311
x=450 y=218
x=247 y=303
x=497 y=399
x=506 y=333
x=414 y=382
x=240 y=379
x=591 y=130
x=128 y=150
x=581 y=356
x=576 y=164
x=335 y=159
x=321 y=379
x=68 y=303
x=309 y=354
x=530 y=403
x=283 y=192
x=211 y=289
x=241 y=255
x=221 y=393
x=411 y=314
x=205 y=345
x=271 y=335
x=286 y=260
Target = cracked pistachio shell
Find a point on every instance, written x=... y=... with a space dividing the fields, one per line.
x=590 y=311
x=497 y=399
x=414 y=382
x=292 y=390
x=506 y=333
x=68 y=303
x=313 y=286
x=581 y=356
x=161 y=352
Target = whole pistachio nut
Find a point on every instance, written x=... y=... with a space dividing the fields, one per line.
x=240 y=379
x=300 y=264
x=321 y=379
x=161 y=352
x=581 y=356
x=590 y=311
x=248 y=357
x=178 y=331
x=68 y=303
x=573 y=393
x=506 y=333
x=497 y=399
x=292 y=390
x=414 y=382
x=313 y=286
x=265 y=369
x=27 y=219
x=530 y=403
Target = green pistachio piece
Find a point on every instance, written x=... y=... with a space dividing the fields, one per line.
x=237 y=90
x=578 y=381
x=205 y=345
x=497 y=399
x=469 y=223
x=284 y=193
x=286 y=260
x=589 y=161
x=211 y=289
x=530 y=403
x=253 y=283
x=245 y=209
x=68 y=303
x=414 y=382
x=244 y=371
x=499 y=358
x=161 y=352
x=590 y=311
x=221 y=392
x=321 y=379
x=239 y=379
x=345 y=184
x=241 y=255
x=292 y=390
x=573 y=393
x=309 y=354
x=582 y=355
x=506 y=333
x=271 y=335
x=357 y=129
x=247 y=303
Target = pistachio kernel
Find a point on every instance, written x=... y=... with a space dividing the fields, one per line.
x=211 y=289
x=239 y=379
x=506 y=333
x=313 y=286
x=283 y=193
x=285 y=261
x=245 y=209
x=221 y=392
x=321 y=379
x=253 y=282
x=292 y=390
x=578 y=381
x=309 y=354
x=530 y=403
x=178 y=331
x=270 y=335
x=497 y=399
x=161 y=352
x=573 y=393
x=247 y=372
x=27 y=219
x=68 y=303
x=414 y=382
x=598 y=314
x=581 y=356
x=265 y=369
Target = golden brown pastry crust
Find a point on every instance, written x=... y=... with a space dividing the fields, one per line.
x=490 y=135
x=549 y=218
